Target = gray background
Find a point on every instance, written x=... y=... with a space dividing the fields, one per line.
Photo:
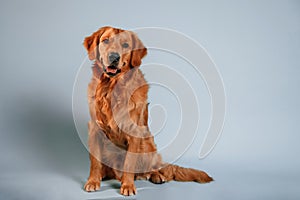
x=255 y=45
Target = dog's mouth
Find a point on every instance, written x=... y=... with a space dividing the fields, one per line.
x=112 y=69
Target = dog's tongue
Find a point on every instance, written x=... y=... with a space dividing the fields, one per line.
x=110 y=70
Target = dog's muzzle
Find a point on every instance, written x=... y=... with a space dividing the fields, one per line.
x=112 y=69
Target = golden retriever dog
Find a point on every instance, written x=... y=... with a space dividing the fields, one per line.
x=120 y=144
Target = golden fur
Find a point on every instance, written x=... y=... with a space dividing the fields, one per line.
x=120 y=143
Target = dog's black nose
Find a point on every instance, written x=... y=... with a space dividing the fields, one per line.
x=113 y=57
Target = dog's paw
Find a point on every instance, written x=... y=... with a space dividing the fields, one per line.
x=92 y=185
x=157 y=178
x=128 y=190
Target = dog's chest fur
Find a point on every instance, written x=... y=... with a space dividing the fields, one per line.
x=116 y=102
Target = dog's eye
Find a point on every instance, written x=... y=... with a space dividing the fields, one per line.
x=105 y=41
x=125 y=45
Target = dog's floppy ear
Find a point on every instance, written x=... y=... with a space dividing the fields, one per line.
x=138 y=51
x=91 y=43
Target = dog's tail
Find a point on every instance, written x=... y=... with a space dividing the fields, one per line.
x=173 y=172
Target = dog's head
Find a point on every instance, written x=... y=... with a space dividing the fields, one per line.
x=116 y=50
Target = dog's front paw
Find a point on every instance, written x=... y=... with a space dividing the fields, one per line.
x=128 y=189
x=92 y=185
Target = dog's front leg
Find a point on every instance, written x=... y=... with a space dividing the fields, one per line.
x=128 y=187
x=93 y=182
